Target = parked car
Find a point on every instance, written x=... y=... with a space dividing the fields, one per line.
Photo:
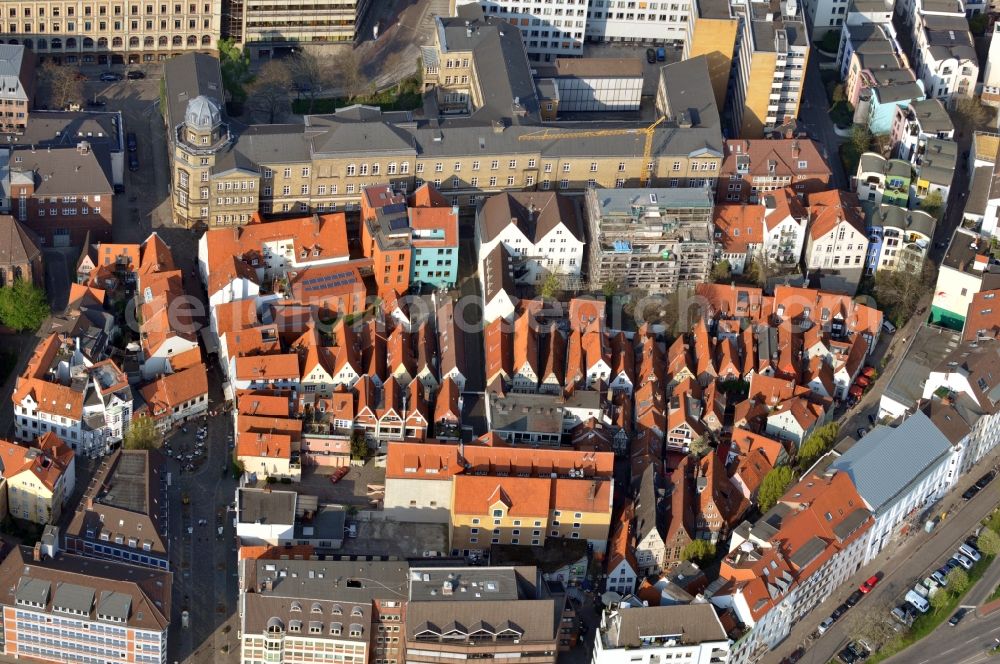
x=847 y=655
x=825 y=625
x=110 y=76
x=957 y=618
x=964 y=561
x=970 y=493
x=97 y=103
x=940 y=579
x=872 y=418
x=904 y=613
x=132 y=143
x=969 y=553
x=135 y=75
x=661 y=54
x=983 y=481
x=351 y=530
x=973 y=541
x=650 y=55
x=919 y=603
x=854 y=598
x=839 y=611
x=133 y=162
x=339 y=474
x=796 y=655
x=862 y=432
x=888 y=327
x=868 y=372
x=870 y=583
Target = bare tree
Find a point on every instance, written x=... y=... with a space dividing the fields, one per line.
x=311 y=75
x=872 y=624
x=268 y=94
x=970 y=113
x=347 y=74
x=60 y=85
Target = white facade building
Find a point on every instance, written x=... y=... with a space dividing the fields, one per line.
x=558 y=28
x=898 y=471
x=690 y=633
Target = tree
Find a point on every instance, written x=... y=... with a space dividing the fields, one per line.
x=60 y=85
x=871 y=624
x=346 y=74
x=609 y=288
x=839 y=93
x=722 y=272
x=939 y=600
x=23 y=306
x=861 y=139
x=359 y=446
x=269 y=92
x=933 y=204
x=775 y=483
x=142 y=434
x=235 y=65
x=699 y=446
x=970 y=113
x=978 y=24
x=817 y=444
x=310 y=75
x=830 y=41
x=550 y=287
x=988 y=542
x=958 y=581
x=899 y=291
x=698 y=550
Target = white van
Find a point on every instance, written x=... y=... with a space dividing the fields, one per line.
x=918 y=602
x=888 y=327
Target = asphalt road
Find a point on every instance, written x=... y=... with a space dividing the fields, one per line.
x=902 y=563
x=814 y=115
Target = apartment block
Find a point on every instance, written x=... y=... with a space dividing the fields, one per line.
x=262 y=25
x=123 y=515
x=558 y=29
x=806 y=555
x=221 y=176
x=656 y=239
x=769 y=66
x=751 y=168
x=106 y=32
x=322 y=609
x=691 y=633
x=483 y=613
x=966 y=269
x=899 y=239
x=61 y=193
x=60 y=607
x=415 y=244
x=87 y=404
x=38 y=478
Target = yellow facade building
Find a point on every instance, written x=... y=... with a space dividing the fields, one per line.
x=38 y=479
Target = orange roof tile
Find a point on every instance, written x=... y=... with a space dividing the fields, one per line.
x=828 y=209
x=267 y=367
x=273 y=446
x=173 y=390
x=521 y=496
x=737 y=227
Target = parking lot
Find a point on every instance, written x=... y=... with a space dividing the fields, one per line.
x=351 y=489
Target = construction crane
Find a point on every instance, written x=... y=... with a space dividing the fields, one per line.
x=647 y=149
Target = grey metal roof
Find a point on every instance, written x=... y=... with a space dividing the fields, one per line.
x=188 y=76
x=689 y=94
x=33 y=591
x=938 y=162
x=71 y=597
x=930 y=345
x=932 y=116
x=896 y=92
x=540 y=413
x=12 y=64
x=888 y=461
x=267 y=507
x=690 y=624
x=982 y=180
x=893 y=216
x=114 y=605
x=808 y=552
x=468 y=584
x=852 y=522
x=619 y=202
